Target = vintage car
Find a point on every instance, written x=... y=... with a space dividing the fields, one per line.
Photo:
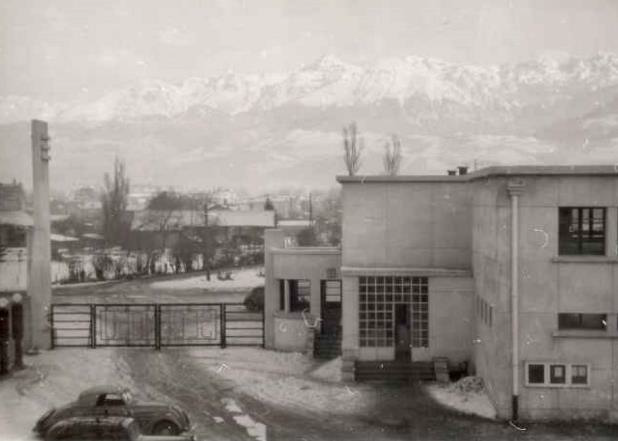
x=107 y=401
x=105 y=429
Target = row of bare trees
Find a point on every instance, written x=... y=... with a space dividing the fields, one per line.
x=353 y=146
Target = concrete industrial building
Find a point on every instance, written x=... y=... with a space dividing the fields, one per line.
x=510 y=271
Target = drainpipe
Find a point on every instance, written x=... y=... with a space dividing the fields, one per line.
x=515 y=188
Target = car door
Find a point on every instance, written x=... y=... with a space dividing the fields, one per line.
x=111 y=404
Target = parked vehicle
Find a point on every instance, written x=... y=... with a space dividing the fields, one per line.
x=105 y=429
x=112 y=401
x=254 y=301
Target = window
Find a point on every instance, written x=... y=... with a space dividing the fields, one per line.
x=557 y=374
x=332 y=291
x=300 y=295
x=582 y=321
x=378 y=296
x=581 y=231
x=281 y=295
x=551 y=374
x=110 y=400
x=579 y=374
x=536 y=374
x=331 y=273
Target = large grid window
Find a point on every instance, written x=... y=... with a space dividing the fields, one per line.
x=378 y=296
x=581 y=231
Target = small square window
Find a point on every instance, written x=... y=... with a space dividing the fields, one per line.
x=536 y=374
x=557 y=374
x=579 y=374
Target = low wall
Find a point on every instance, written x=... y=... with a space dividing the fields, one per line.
x=291 y=332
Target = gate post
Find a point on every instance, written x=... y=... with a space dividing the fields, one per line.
x=263 y=328
x=93 y=326
x=51 y=327
x=157 y=324
x=222 y=324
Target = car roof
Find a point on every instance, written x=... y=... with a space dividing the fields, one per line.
x=102 y=389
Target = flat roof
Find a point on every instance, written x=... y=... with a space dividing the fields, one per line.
x=513 y=170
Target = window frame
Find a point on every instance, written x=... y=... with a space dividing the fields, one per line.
x=296 y=297
x=547 y=374
x=566 y=239
x=580 y=318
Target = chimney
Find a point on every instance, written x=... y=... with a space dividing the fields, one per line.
x=463 y=170
x=451 y=172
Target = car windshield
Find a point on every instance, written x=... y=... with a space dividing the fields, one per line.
x=127 y=397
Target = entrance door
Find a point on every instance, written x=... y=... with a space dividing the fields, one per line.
x=330 y=306
x=402 y=332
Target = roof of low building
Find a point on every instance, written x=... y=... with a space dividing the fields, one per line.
x=513 y=170
x=18 y=218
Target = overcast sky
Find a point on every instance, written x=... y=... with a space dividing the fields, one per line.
x=78 y=49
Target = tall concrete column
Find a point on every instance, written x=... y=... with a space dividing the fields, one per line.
x=39 y=277
x=515 y=189
x=273 y=238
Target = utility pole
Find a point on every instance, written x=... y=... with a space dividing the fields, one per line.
x=39 y=246
x=310 y=210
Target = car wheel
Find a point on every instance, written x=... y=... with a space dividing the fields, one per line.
x=165 y=428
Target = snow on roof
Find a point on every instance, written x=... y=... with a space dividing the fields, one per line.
x=169 y=220
x=93 y=236
x=62 y=238
x=19 y=218
x=294 y=223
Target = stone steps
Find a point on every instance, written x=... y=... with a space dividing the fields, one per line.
x=394 y=371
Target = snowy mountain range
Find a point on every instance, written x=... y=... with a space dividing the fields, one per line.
x=273 y=128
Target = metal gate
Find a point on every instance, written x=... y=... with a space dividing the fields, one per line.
x=155 y=325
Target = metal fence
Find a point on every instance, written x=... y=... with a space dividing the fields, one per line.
x=155 y=325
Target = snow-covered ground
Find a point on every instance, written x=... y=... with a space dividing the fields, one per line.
x=287 y=379
x=243 y=279
x=467 y=395
x=54 y=378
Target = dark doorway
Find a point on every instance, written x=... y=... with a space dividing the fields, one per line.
x=402 y=332
x=330 y=291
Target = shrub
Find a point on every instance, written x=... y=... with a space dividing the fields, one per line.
x=255 y=299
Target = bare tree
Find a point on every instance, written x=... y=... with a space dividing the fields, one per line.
x=392 y=156
x=353 y=146
x=114 y=204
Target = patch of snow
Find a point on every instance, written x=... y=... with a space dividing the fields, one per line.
x=241 y=280
x=283 y=379
x=329 y=371
x=467 y=396
x=231 y=405
x=218 y=419
x=254 y=429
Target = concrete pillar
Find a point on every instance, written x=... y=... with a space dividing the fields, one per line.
x=612 y=232
x=39 y=277
x=316 y=300
x=286 y=295
x=273 y=238
x=350 y=339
